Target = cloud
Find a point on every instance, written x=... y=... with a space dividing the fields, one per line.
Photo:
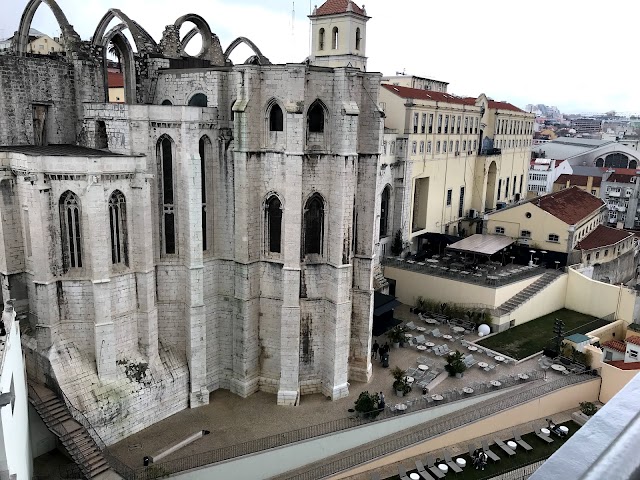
x=560 y=55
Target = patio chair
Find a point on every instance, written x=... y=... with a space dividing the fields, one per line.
x=421 y=471
x=410 y=326
x=505 y=448
x=452 y=465
x=542 y=436
x=436 y=333
x=402 y=473
x=420 y=340
x=437 y=350
x=521 y=442
x=469 y=361
x=445 y=349
x=412 y=371
x=489 y=453
x=432 y=467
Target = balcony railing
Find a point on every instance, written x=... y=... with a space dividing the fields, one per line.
x=491 y=151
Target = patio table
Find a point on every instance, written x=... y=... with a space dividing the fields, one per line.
x=410 y=380
x=432 y=260
x=414 y=476
x=424 y=368
x=421 y=347
x=431 y=321
x=564 y=429
x=461 y=462
x=408 y=335
x=458 y=329
x=483 y=364
x=430 y=344
x=512 y=445
x=420 y=329
x=401 y=407
x=545 y=431
x=558 y=368
x=467 y=390
x=471 y=348
x=443 y=467
x=523 y=376
x=495 y=383
x=447 y=337
x=437 y=397
x=499 y=358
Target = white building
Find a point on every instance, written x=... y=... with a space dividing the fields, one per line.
x=543 y=172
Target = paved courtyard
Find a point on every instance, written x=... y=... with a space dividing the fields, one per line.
x=233 y=420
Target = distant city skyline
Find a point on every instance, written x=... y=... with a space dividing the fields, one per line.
x=487 y=49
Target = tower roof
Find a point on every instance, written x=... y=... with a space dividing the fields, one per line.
x=334 y=7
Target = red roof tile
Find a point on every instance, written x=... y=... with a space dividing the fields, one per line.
x=616 y=345
x=115 y=79
x=419 y=94
x=333 y=7
x=569 y=205
x=602 y=237
x=622 y=365
x=627 y=171
x=620 y=178
x=578 y=180
x=633 y=339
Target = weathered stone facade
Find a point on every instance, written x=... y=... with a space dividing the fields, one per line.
x=171 y=250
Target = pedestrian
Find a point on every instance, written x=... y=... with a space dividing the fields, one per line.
x=381 y=402
x=374 y=349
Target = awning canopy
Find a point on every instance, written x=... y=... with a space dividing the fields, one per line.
x=482 y=244
x=438 y=237
x=383 y=303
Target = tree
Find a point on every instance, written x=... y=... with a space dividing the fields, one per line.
x=115 y=51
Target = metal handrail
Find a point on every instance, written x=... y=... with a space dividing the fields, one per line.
x=438 y=427
x=312 y=431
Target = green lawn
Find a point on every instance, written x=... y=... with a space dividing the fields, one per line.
x=541 y=450
x=531 y=337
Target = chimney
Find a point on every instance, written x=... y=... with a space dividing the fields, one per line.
x=619 y=225
x=589 y=183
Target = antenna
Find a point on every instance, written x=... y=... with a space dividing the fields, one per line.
x=293 y=18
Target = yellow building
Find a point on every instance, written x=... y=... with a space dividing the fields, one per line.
x=44 y=45
x=605 y=244
x=556 y=222
x=587 y=183
x=463 y=156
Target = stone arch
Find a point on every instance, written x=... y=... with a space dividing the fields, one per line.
x=600 y=162
x=317 y=117
x=211 y=49
x=66 y=29
x=490 y=198
x=262 y=60
x=127 y=60
x=633 y=163
x=198 y=99
x=273 y=209
x=144 y=42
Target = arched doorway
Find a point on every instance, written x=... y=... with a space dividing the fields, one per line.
x=490 y=198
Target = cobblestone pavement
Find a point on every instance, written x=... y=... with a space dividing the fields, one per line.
x=232 y=419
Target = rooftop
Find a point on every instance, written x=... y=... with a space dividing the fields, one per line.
x=603 y=236
x=334 y=7
x=419 y=94
x=622 y=365
x=577 y=180
x=620 y=178
x=578 y=338
x=569 y=205
x=633 y=339
x=616 y=345
x=115 y=79
x=57 y=151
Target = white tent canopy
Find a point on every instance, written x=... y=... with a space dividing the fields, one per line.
x=482 y=244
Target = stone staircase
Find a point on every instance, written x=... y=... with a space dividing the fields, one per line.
x=75 y=438
x=531 y=291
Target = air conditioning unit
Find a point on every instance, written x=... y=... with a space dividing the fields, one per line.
x=501 y=205
x=473 y=213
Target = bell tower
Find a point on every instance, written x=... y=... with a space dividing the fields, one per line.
x=339 y=35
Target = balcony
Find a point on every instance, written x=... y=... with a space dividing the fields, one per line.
x=614 y=193
x=491 y=151
x=621 y=208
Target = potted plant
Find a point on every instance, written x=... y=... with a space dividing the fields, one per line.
x=455 y=364
x=396 y=335
x=399 y=385
x=367 y=404
x=588 y=408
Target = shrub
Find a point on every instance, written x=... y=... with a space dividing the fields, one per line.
x=455 y=363
x=396 y=334
x=588 y=408
x=368 y=404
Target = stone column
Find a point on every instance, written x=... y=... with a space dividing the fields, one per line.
x=98 y=257
x=142 y=261
x=190 y=218
x=289 y=388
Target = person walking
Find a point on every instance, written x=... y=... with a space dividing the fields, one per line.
x=381 y=402
x=374 y=349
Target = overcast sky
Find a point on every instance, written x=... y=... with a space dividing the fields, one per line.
x=577 y=55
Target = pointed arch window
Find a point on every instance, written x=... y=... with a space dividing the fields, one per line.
x=273 y=224
x=314 y=225
x=384 y=211
x=321 y=39
x=204 y=149
x=198 y=100
x=315 y=118
x=358 y=38
x=334 y=38
x=276 y=120
x=71 y=231
x=118 y=228
x=167 y=218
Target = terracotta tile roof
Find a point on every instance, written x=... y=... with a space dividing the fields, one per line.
x=602 y=237
x=578 y=180
x=616 y=345
x=569 y=205
x=622 y=365
x=620 y=178
x=627 y=171
x=333 y=7
x=504 y=106
x=633 y=339
x=115 y=79
x=419 y=94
